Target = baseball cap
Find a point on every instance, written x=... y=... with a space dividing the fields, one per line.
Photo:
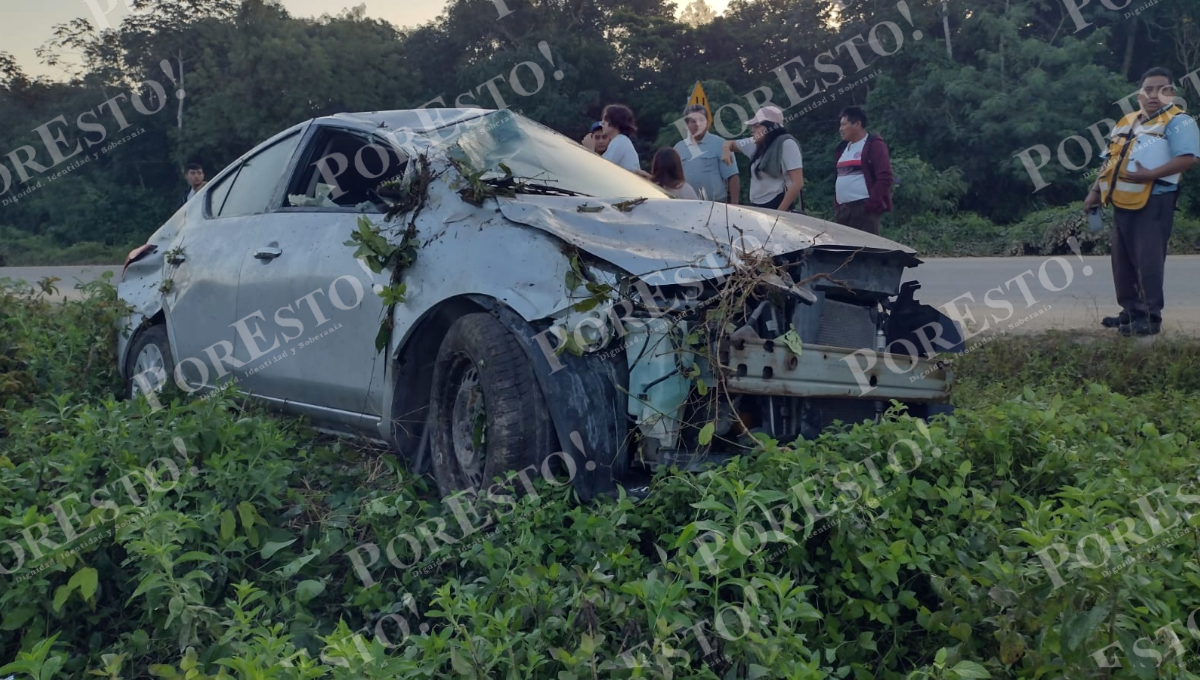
x=772 y=114
x=596 y=126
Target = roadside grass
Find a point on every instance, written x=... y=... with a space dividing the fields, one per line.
x=1066 y=360
x=20 y=249
x=1044 y=232
x=240 y=566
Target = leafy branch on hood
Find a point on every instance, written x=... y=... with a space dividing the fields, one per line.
x=479 y=189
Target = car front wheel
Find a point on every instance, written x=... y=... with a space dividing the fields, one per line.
x=150 y=362
x=486 y=409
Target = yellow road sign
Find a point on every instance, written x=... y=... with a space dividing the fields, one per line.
x=699 y=98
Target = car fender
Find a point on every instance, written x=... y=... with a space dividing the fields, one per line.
x=586 y=403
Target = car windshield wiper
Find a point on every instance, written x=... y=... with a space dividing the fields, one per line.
x=516 y=185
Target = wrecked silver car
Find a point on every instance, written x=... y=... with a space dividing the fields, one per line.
x=484 y=294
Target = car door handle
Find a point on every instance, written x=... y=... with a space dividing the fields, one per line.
x=267 y=254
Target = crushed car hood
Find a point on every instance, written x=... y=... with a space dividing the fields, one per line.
x=661 y=234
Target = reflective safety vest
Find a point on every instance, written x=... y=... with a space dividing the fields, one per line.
x=1135 y=145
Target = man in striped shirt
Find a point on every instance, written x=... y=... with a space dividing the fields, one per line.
x=864 y=175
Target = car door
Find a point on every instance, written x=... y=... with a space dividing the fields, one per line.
x=308 y=312
x=205 y=268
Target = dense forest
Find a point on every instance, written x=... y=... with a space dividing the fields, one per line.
x=985 y=81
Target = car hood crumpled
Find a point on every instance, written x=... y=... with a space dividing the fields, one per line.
x=662 y=234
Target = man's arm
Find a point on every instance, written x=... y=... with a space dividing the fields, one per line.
x=881 y=164
x=1183 y=140
x=1093 y=198
x=733 y=181
x=1146 y=175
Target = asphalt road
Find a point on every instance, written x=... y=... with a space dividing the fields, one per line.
x=1079 y=304
x=68 y=276
x=1076 y=305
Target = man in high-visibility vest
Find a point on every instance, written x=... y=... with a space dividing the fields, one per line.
x=1147 y=152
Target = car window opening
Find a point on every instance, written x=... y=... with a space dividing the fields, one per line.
x=320 y=180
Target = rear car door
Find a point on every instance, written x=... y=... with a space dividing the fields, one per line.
x=203 y=268
x=308 y=310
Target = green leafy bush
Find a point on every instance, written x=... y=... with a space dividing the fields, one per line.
x=892 y=550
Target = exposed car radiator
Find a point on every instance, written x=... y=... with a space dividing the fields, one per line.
x=846 y=325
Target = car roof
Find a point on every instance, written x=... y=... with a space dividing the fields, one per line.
x=415 y=120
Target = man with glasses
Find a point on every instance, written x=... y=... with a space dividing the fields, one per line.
x=1147 y=153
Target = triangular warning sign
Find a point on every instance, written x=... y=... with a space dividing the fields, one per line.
x=698 y=97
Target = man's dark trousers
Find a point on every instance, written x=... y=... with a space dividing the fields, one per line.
x=854 y=214
x=1139 y=255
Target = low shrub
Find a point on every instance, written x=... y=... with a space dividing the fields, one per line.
x=224 y=542
x=1044 y=232
x=21 y=249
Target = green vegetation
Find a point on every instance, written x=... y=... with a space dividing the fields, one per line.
x=215 y=540
x=18 y=249
x=955 y=121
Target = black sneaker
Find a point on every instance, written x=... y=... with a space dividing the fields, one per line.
x=1142 y=327
x=1115 y=321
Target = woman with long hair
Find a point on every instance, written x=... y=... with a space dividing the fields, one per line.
x=776 y=166
x=619 y=126
x=666 y=170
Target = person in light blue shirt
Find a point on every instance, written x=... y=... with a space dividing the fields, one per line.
x=1140 y=236
x=1183 y=139
x=702 y=166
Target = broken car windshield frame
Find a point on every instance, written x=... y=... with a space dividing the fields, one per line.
x=539 y=155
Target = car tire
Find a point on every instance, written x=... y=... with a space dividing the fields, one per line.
x=150 y=349
x=486 y=408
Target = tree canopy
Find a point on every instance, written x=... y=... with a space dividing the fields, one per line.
x=1016 y=74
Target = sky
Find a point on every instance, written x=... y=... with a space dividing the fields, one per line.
x=29 y=24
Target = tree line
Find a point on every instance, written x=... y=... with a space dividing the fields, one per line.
x=958 y=89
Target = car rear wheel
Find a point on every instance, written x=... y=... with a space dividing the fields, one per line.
x=150 y=357
x=486 y=409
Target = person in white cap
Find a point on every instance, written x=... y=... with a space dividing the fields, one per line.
x=776 y=166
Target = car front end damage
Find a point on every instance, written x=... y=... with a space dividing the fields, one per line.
x=781 y=346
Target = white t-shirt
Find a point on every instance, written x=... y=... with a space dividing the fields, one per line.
x=765 y=188
x=685 y=191
x=851 y=182
x=621 y=151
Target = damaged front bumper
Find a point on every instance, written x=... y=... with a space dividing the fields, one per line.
x=769 y=368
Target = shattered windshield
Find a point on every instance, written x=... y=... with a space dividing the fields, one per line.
x=540 y=157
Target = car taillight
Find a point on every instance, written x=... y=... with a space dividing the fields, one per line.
x=137 y=254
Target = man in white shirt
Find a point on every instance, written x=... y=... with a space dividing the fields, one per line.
x=864 y=175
